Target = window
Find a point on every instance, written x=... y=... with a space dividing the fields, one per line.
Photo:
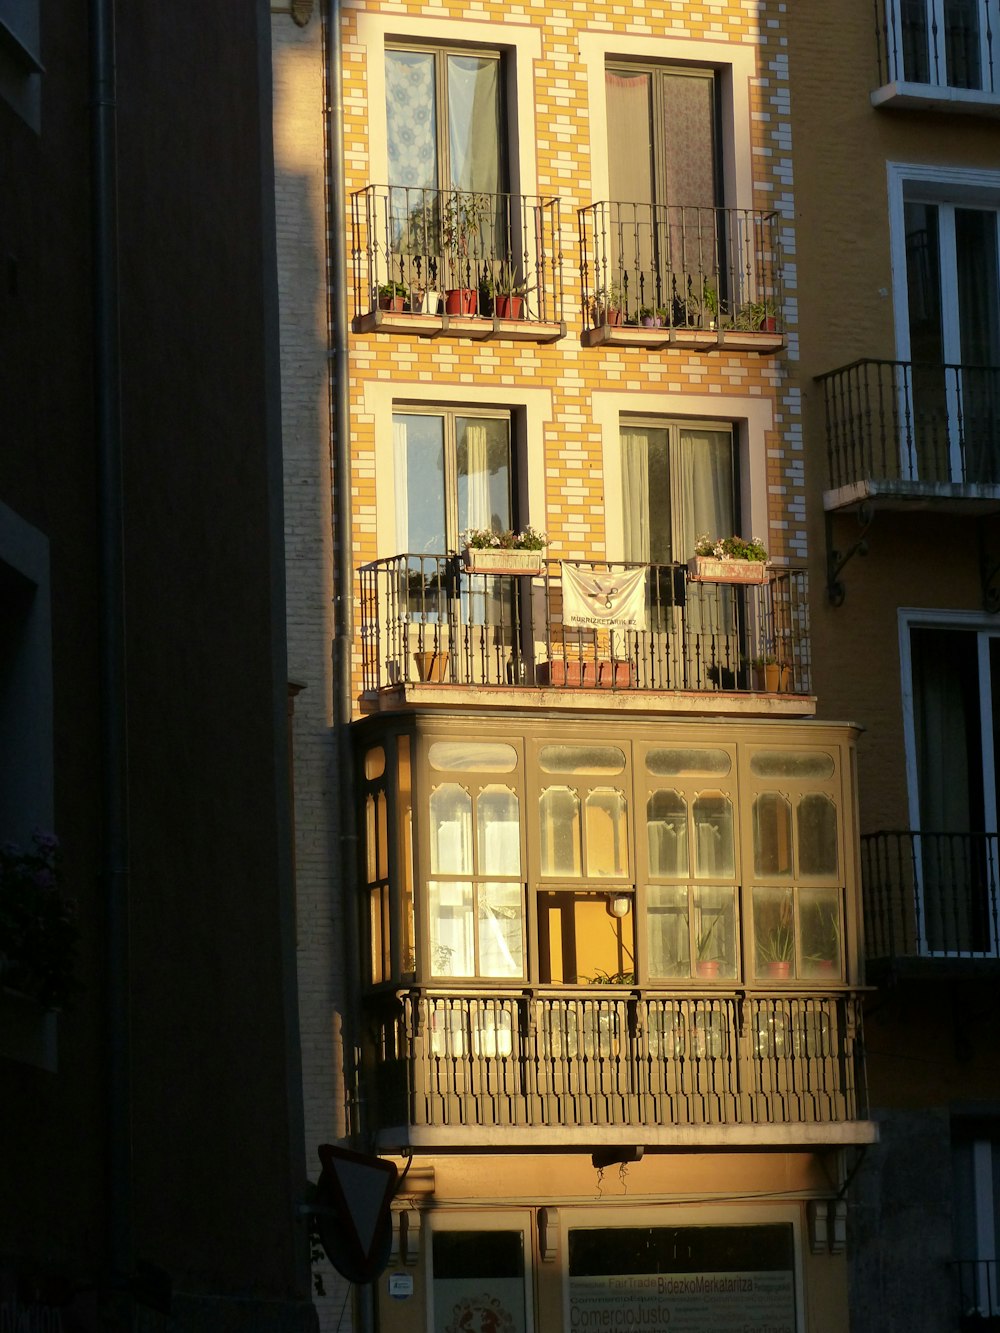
x=481 y=1279
x=975 y=1160
x=679 y=480
x=955 y=676
x=453 y=471
x=944 y=42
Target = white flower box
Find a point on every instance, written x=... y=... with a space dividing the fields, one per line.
x=498 y=560
x=710 y=569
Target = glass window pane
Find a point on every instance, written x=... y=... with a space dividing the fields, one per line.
x=472 y=757
x=451 y=929
x=408 y=939
x=774 y=933
x=666 y=832
x=382 y=838
x=418 y=449
x=379 y=926
x=482 y=447
x=607 y=839
x=668 y=941
x=581 y=759
x=501 y=930
x=499 y=830
x=819 y=919
x=714 y=852
x=474 y=124
x=370 y=866
x=714 y=912
x=374 y=762
x=411 y=122
x=961 y=43
x=560 y=831
x=451 y=830
x=668 y=763
x=478 y=1281
x=792 y=764
x=581 y=943
x=772 y=836
x=817 y=830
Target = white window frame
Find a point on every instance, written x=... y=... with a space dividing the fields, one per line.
x=507 y=1219
x=943 y=92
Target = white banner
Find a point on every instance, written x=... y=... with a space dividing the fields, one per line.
x=683 y=1303
x=604 y=601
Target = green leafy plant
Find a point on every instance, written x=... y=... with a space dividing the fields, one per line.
x=753 y=315
x=607 y=297
x=707 y=948
x=390 y=289
x=603 y=978
x=38 y=923
x=778 y=946
x=504 y=280
x=825 y=935
x=462 y=220
x=485 y=539
x=731 y=548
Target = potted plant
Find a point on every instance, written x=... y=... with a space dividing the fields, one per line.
x=462 y=220
x=708 y=957
x=776 y=951
x=392 y=296
x=507 y=291
x=824 y=939
x=757 y=316
x=768 y=673
x=728 y=560
x=650 y=318
x=508 y=552
x=707 y=306
x=607 y=305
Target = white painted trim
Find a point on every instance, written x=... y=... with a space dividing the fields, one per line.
x=500 y=1218
x=535 y=405
x=755 y=415
x=525 y=45
x=736 y=62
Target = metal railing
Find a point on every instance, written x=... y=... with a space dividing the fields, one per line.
x=954 y=49
x=977 y=1293
x=930 y=894
x=456 y=252
x=427 y=617
x=908 y=422
x=677 y=267
x=559 y=1057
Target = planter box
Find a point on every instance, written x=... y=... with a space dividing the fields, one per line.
x=495 y=560
x=586 y=675
x=707 y=569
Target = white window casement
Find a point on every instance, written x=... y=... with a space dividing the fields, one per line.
x=945 y=237
x=938 y=53
x=951 y=682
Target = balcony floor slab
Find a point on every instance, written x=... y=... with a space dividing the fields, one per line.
x=588 y=1138
x=631 y=701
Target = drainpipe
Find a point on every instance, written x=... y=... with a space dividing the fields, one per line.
x=343 y=582
x=114 y=746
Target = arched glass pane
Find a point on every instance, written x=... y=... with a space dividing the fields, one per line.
x=772 y=836
x=561 y=838
x=674 y=763
x=451 y=830
x=666 y=832
x=374 y=762
x=792 y=764
x=607 y=842
x=714 y=854
x=498 y=827
x=581 y=759
x=472 y=756
x=817 y=821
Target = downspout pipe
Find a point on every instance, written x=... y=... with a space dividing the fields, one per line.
x=343 y=584
x=114 y=874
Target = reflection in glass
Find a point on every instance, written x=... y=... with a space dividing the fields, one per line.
x=819 y=920
x=817 y=830
x=451 y=928
x=714 y=852
x=772 y=836
x=561 y=833
x=501 y=930
x=671 y=763
x=792 y=764
x=668 y=943
x=774 y=932
x=499 y=832
x=666 y=832
x=451 y=830
x=607 y=846
x=374 y=762
x=473 y=756
x=581 y=759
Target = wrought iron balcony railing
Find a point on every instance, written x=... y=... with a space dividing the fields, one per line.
x=680 y=268
x=560 y=1057
x=931 y=895
x=907 y=426
x=428 y=618
x=942 y=45
x=456 y=253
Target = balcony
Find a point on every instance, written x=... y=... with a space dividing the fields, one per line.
x=901 y=434
x=662 y=275
x=936 y=54
x=429 y=263
x=558 y=1064
x=978 y=1294
x=429 y=626
x=931 y=900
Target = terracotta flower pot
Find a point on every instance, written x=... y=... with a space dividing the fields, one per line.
x=460 y=301
x=508 y=307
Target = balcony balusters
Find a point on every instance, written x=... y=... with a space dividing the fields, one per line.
x=931 y=895
x=508 y=630
x=562 y=1058
x=910 y=425
x=690 y=267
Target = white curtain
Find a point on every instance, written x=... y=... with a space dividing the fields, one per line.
x=401 y=483
x=478 y=480
x=635 y=495
x=704 y=473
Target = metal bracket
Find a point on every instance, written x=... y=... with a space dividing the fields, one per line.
x=836 y=560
